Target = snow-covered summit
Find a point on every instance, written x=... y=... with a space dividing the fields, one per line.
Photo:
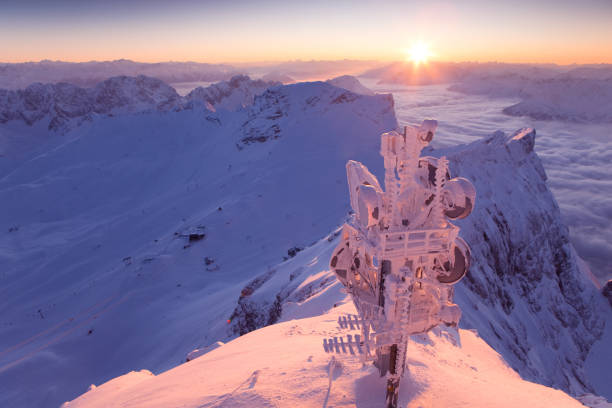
x=276 y=76
x=236 y=93
x=350 y=83
x=64 y=106
x=285 y=365
x=125 y=94
x=87 y=74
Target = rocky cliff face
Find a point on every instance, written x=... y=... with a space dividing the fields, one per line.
x=607 y=291
x=525 y=293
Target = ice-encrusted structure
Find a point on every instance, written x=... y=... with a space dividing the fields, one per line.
x=399 y=255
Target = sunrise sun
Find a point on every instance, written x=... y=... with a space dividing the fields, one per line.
x=419 y=53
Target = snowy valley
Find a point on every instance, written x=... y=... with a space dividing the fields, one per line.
x=139 y=225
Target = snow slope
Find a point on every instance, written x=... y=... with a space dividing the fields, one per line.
x=285 y=365
x=94 y=242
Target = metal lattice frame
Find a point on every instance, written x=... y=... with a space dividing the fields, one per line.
x=400 y=255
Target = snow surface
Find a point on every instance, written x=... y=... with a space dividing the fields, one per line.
x=285 y=365
x=94 y=229
x=96 y=253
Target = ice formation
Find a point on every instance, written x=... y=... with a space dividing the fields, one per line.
x=399 y=254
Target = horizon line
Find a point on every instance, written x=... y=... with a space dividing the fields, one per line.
x=273 y=62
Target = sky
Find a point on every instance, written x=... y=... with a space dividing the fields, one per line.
x=540 y=31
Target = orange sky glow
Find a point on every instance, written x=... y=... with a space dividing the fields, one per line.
x=543 y=31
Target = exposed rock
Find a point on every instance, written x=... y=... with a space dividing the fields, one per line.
x=529 y=291
x=196 y=236
x=607 y=291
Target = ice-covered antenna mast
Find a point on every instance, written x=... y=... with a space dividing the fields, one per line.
x=400 y=255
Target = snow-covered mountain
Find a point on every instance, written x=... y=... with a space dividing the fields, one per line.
x=278 y=77
x=236 y=93
x=96 y=241
x=86 y=74
x=351 y=83
x=131 y=240
x=64 y=106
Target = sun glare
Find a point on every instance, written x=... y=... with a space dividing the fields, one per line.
x=419 y=53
